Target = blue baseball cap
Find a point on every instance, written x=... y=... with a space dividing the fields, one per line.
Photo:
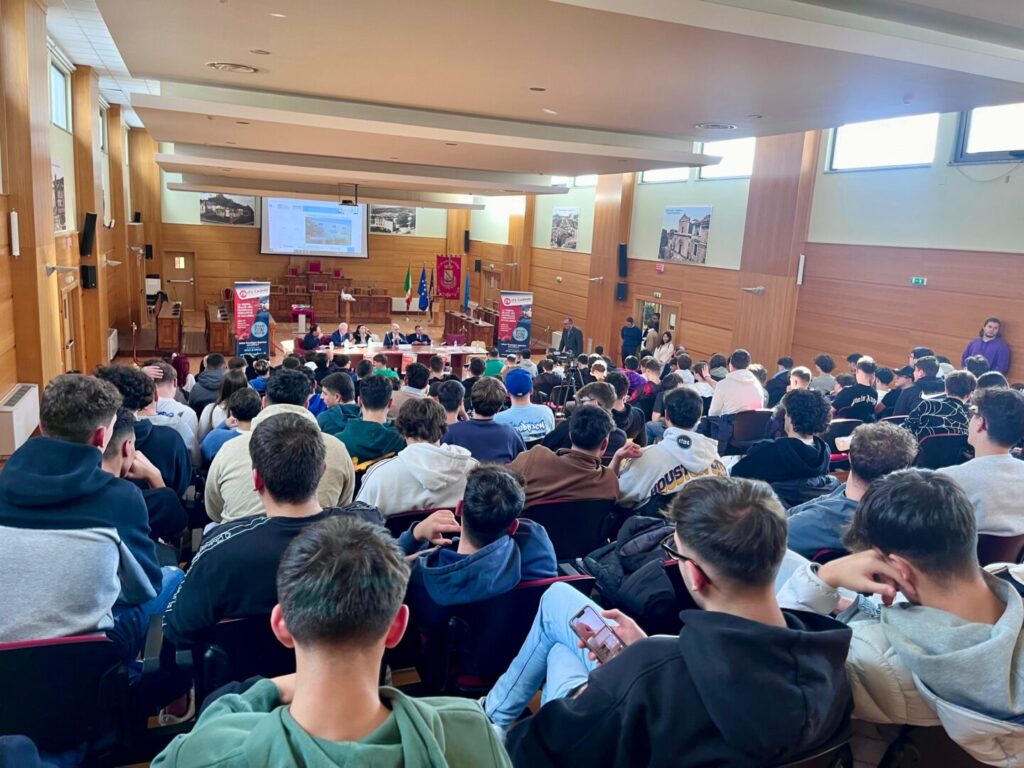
x=518 y=382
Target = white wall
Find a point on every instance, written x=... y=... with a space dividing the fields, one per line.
x=970 y=207
x=491 y=224
x=577 y=197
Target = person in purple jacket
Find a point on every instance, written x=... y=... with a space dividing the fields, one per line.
x=991 y=346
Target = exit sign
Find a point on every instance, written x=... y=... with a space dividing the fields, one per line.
x=657 y=294
x=919 y=281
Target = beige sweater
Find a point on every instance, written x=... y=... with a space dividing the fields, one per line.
x=230 y=494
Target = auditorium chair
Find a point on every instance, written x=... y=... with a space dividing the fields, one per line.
x=575 y=527
x=839 y=428
x=896 y=421
x=748 y=427
x=1000 y=549
x=239 y=649
x=313 y=268
x=559 y=396
x=938 y=451
x=400 y=523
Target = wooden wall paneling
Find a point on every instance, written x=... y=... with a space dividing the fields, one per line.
x=613 y=206
x=549 y=304
x=135 y=236
x=8 y=372
x=764 y=322
x=560 y=261
x=456 y=226
x=491 y=256
x=119 y=306
x=520 y=240
x=146 y=188
x=24 y=82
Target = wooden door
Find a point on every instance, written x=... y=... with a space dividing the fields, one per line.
x=490 y=292
x=180 y=277
x=70 y=317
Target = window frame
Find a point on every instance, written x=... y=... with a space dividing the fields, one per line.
x=833 y=134
x=687 y=168
x=962 y=157
x=66 y=76
x=698 y=146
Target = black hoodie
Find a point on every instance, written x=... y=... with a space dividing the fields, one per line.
x=164 y=447
x=206 y=389
x=726 y=692
x=785 y=458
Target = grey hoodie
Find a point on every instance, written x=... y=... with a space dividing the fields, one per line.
x=421 y=476
x=666 y=467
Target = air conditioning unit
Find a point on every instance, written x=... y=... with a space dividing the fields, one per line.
x=398 y=306
x=19 y=417
x=112 y=345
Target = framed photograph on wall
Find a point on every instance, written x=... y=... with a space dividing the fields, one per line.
x=232 y=210
x=684 y=234
x=565 y=227
x=392 y=220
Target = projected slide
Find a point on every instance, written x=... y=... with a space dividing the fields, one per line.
x=313 y=228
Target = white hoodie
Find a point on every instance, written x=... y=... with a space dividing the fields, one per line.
x=739 y=391
x=666 y=467
x=421 y=476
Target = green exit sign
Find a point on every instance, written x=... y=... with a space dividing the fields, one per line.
x=919 y=281
x=657 y=294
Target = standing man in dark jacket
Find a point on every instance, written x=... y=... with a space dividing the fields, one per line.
x=632 y=337
x=207 y=386
x=926 y=382
x=572 y=339
x=744 y=684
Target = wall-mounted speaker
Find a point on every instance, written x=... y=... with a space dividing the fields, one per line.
x=477 y=265
x=88 y=235
x=465 y=241
x=623 y=262
x=137 y=217
x=88 y=276
x=149 y=251
x=620 y=291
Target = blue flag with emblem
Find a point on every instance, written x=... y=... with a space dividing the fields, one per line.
x=422 y=291
x=465 y=295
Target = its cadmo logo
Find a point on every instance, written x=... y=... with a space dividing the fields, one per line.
x=243 y=295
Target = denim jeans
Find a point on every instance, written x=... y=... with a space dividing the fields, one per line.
x=131 y=622
x=550 y=657
x=655 y=431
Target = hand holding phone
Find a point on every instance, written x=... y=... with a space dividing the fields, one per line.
x=598 y=636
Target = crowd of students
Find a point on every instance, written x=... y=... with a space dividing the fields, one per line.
x=298 y=467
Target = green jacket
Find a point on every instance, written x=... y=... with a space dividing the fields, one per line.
x=333 y=420
x=494 y=367
x=368 y=440
x=253 y=729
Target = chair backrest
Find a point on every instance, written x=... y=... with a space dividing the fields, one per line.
x=575 y=527
x=62 y=692
x=455 y=339
x=839 y=428
x=559 y=395
x=399 y=523
x=313 y=268
x=1000 y=549
x=538 y=397
x=938 y=451
x=894 y=420
x=923 y=747
x=748 y=427
x=238 y=650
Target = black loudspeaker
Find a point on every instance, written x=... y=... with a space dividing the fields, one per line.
x=88 y=276
x=620 y=292
x=88 y=235
x=623 y=263
x=465 y=241
x=137 y=217
x=149 y=251
x=476 y=265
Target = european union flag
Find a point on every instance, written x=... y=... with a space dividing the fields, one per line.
x=422 y=291
x=465 y=296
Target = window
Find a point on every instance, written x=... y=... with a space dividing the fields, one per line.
x=893 y=143
x=990 y=134
x=103 y=130
x=664 y=175
x=585 y=181
x=60 y=98
x=561 y=181
x=737 y=158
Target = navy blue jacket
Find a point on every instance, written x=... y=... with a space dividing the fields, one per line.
x=165 y=448
x=631 y=337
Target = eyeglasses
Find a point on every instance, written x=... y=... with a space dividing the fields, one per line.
x=668 y=547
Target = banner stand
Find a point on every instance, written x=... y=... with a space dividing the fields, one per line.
x=515 y=319
x=252 y=319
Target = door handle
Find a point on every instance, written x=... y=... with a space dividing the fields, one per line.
x=190 y=281
x=70 y=344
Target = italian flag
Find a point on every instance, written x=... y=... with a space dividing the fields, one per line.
x=408 y=287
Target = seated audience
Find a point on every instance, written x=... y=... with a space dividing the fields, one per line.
x=372 y=436
x=243 y=406
x=312 y=338
x=643 y=396
x=418 y=336
x=926 y=382
x=994 y=480
x=598 y=370
x=628 y=418
x=655 y=427
x=718 y=367
x=485 y=438
x=452 y=397
x=681 y=456
x=859 y=400
x=993 y=380
x=170 y=412
x=339 y=394
x=527 y=364
x=322 y=369
x=232 y=574
x=884 y=378
x=802 y=453
x=160 y=444
x=946 y=415
x=309 y=358
x=631 y=368
x=341 y=335
x=575 y=472
x=216 y=413
x=262 y=370
x=207 y=385
x=74 y=539
x=778 y=384
x=380 y=365
x=799 y=378
x=424 y=474
x=673 y=700
x=579 y=374
x=546 y=380
x=530 y=420
x=762 y=378
x=683 y=364
x=851 y=362
x=918 y=352
x=230 y=494
x=824 y=382
x=976 y=364
x=599 y=393
x=417 y=377
x=739 y=390
x=875 y=451
x=364 y=368
x=703 y=384
x=477 y=366
x=437 y=370
x=395 y=336
x=495 y=365
x=947 y=654
x=340 y=587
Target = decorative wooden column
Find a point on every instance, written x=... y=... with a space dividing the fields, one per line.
x=126 y=295
x=613 y=210
x=146 y=193
x=520 y=240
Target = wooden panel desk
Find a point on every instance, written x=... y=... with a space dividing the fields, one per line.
x=168 y=327
x=218 y=330
x=281 y=306
x=325 y=304
x=456 y=323
x=371 y=309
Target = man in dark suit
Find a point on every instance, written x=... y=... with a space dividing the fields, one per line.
x=778 y=384
x=394 y=337
x=418 y=336
x=572 y=339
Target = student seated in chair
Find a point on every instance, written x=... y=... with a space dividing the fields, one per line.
x=340 y=586
x=947 y=414
x=339 y=395
x=740 y=390
x=941 y=641
x=531 y=421
x=169 y=411
x=744 y=683
x=244 y=405
x=859 y=400
x=371 y=435
x=481 y=435
x=491 y=552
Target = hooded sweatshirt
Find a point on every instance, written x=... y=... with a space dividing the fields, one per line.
x=739 y=391
x=165 y=448
x=421 y=476
x=206 y=389
x=254 y=730
x=666 y=467
x=73 y=540
x=567 y=474
x=785 y=458
x=369 y=440
x=333 y=420
x=726 y=691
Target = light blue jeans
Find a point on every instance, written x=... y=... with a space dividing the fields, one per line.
x=550 y=657
x=655 y=431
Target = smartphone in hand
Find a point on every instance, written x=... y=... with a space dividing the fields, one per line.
x=596 y=634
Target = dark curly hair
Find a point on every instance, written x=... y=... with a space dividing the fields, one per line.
x=135 y=387
x=74 y=406
x=421 y=419
x=808 y=410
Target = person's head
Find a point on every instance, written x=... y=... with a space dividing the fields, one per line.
x=396 y=328
x=844 y=380
x=237 y=363
x=436 y=366
x=926 y=366
x=666 y=338
x=800 y=378
x=182 y=366
x=120 y=451
x=923 y=524
x=545 y=366
x=997 y=420
x=261 y=367
x=589 y=428
x=380 y=360
x=375 y=392
x=417 y=329
x=991 y=328
x=215 y=362
x=992 y=380
x=825 y=363
x=960 y=384
x=321 y=360
x=309 y=356
x=682 y=408
x=526 y=354
x=977 y=364
x=903 y=377
x=364 y=368
x=652 y=369
x=417 y=375
x=493 y=353
x=619 y=383
x=670 y=382
x=599 y=393
x=137 y=389
x=567 y=323
x=244 y=405
x=421 y=420
x=598 y=369
x=288 y=458
x=342 y=328
x=167 y=378
x=363 y=331
x=477 y=367
x=314 y=329
x=878 y=449
x=683 y=362
x=759 y=372
x=582 y=361
x=340 y=586
x=731 y=533
x=337 y=388
x=487 y=396
x=739 y=360
x=288 y=388
x=851 y=360
x=866 y=368
x=493 y=499
x=631 y=363
x=630 y=322
x=233 y=381
x=884 y=376
x=291 y=363
x=808 y=413
x=80 y=409
x=519 y=384
x=918 y=352
x=451 y=395
x=784 y=363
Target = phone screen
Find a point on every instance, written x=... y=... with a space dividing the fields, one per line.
x=597 y=635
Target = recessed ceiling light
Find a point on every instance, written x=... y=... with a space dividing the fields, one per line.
x=279 y=15
x=259 y=51
x=754 y=117
x=450 y=144
x=548 y=111
x=393 y=157
x=241 y=122
x=715 y=126
x=230 y=142
x=227 y=66
x=537 y=89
